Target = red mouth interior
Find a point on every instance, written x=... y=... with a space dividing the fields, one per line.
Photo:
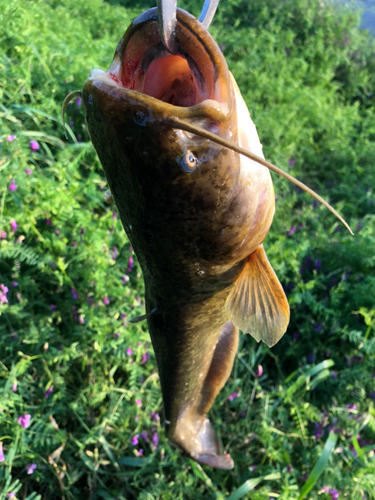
x=170 y=80
x=185 y=79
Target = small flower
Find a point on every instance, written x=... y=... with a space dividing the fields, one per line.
x=14 y=387
x=3 y=298
x=114 y=252
x=34 y=146
x=74 y=243
x=11 y=495
x=28 y=171
x=53 y=307
x=13 y=186
x=125 y=279
x=74 y=294
x=4 y=288
x=48 y=222
x=232 y=396
x=48 y=392
x=13 y=225
x=71 y=123
x=291 y=162
x=106 y=301
x=144 y=436
x=135 y=440
x=260 y=371
x=145 y=357
x=14 y=284
x=3 y=235
x=130 y=264
x=30 y=468
x=129 y=351
x=78 y=101
x=291 y=230
x=155 y=439
x=138 y=402
x=140 y=451
x=2 y=458
x=24 y=421
x=154 y=416
x=11 y=138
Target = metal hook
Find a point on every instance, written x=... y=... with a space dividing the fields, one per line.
x=167 y=20
x=208 y=12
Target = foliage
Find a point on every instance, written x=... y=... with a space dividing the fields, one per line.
x=69 y=359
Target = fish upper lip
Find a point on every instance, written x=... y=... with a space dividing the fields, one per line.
x=209 y=108
x=196 y=80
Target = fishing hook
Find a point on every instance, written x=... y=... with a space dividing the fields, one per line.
x=167 y=20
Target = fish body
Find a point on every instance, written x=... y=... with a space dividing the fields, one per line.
x=195 y=212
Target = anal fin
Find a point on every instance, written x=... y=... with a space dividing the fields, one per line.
x=257 y=304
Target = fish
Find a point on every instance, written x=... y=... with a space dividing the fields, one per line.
x=186 y=171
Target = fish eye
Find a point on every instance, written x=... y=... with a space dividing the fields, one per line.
x=189 y=162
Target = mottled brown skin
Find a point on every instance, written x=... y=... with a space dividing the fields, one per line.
x=191 y=231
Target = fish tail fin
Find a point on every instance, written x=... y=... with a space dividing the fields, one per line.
x=257 y=304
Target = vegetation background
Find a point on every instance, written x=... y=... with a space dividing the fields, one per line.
x=80 y=402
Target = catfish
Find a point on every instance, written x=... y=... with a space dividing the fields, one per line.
x=185 y=168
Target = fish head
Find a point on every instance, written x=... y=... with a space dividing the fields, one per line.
x=166 y=178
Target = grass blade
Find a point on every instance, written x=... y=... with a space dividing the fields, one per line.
x=248 y=485
x=320 y=465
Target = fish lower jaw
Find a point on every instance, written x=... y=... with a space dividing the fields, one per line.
x=103 y=76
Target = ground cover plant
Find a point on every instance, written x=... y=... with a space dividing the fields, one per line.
x=80 y=402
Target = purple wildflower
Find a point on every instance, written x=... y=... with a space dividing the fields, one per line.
x=71 y=123
x=34 y=146
x=48 y=392
x=135 y=440
x=154 y=416
x=3 y=235
x=291 y=230
x=48 y=222
x=144 y=436
x=14 y=284
x=114 y=252
x=106 y=301
x=289 y=468
x=74 y=294
x=129 y=352
x=334 y=493
x=24 y=420
x=14 y=387
x=232 y=396
x=53 y=307
x=30 y=468
x=291 y=161
x=138 y=402
x=13 y=225
x=260 y=370
x=125 y=279
x=2 y=458
x=74 y=243
x=140 y=451
x=78 y=101
x=28 y=171
x=130 y=264
x=11 y=495
x=11 y=138
x=13 y=186
x=145 y=357
x=155 y=439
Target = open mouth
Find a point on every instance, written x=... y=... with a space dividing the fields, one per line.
x=196 y=74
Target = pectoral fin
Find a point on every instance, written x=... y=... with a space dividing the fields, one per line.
x=257 y=304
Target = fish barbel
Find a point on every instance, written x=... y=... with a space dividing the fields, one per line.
x=186 y=170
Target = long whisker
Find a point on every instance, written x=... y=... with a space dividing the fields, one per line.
x=180 y=124
x=68 y=98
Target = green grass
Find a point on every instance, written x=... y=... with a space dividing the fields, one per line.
x=307 y=74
